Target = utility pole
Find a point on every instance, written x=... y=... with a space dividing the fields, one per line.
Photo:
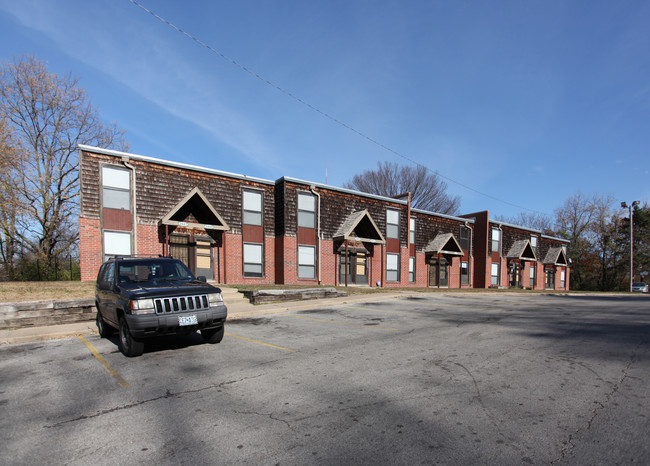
x=631 y=209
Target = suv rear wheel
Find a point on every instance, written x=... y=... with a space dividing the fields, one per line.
x=129 y=346
x=103 y=329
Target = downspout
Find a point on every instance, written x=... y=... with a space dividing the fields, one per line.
x=125 y=161
x=470 y=259
x=312 y=188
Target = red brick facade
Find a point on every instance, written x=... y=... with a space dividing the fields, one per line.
x=241 y=230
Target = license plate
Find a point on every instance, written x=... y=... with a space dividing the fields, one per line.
x=187 y=320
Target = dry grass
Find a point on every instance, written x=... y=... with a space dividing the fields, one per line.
x=11 y=292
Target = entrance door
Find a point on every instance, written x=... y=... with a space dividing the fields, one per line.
x=357 y=269
x=549 y=281
x=179 y=248
x=515 y=274
x=438 y=272
x=204 y=259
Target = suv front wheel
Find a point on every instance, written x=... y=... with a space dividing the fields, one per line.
x=129 y=346
x=213 y=335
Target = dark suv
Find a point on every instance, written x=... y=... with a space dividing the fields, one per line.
x=148 y=297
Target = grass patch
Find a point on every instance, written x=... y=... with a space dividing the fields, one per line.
x=12 y=292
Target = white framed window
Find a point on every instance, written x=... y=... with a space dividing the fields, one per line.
x=392 y=267
x=533 y=243
x=562 y=279
x=116 y=187
x=252 y=201
x=117 y=243
x=412 y=231
x=494 y=275
x=464 y=273
x=532 y=275
x=306 y=211
x=496 y=240
x=411 y=269
x=253 y=260
x=392 y=223
x=306 y=262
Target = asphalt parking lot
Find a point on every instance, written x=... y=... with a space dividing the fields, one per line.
x=433 y=379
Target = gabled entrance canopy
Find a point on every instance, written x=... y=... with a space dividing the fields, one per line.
x=523 y=250
x=359 y=226
x=444 y=243
x=555 y=256
x=195 y=211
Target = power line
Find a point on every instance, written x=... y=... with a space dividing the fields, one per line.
x=323 y=113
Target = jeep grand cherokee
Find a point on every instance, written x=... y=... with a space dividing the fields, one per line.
x=144 y=298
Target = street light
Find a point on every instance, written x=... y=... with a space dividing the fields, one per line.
x=631 y=207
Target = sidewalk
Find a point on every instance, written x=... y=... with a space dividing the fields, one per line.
x=238 y=307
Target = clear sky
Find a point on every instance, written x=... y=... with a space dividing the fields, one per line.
x=525 y=101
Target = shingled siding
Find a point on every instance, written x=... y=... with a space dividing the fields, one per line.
x=161 y=185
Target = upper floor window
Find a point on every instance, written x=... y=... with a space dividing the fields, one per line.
x=252 y=208
x=116 y=187
x=306 y=211
x=412 y=231
x=392 y=223
x=533 y=243
x=496 y=240
x=464 y=237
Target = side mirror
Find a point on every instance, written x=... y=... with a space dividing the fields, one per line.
x=201 y=278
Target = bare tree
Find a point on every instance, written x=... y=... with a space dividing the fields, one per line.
x=10 y=163
x=49 y=116
x=538 y=221
x=428 y=190
x=585 y=222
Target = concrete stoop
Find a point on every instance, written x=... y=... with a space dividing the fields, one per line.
x=275 y=296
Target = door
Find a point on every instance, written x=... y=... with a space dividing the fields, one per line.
x=204 y=259
x=357 y=269
x=438 y=272
x=179 y=248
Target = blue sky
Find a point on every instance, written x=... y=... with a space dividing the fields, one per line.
x=527 y=102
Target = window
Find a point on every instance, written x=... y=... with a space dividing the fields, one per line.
x=532 y=275
x=252 y=208
x=533 y=243
x=411 y=269
x=464 y=238
x=496 y=240
x=464 y=273
x=494 y=277
x=306 y=262
x=392 y=223
x=306 y=211
x=392 y=267
x=562 y=279
x=253 y=266
x=116 y=188
x=412 y=231
x=117 y=243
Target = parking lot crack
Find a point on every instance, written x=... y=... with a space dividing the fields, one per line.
x=599 y=406
x=168 y=394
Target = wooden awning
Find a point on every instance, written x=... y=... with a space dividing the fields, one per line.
x=444 y=243
x=555 y=256
x=195 y=211
x=359 y=226
x=523 y=250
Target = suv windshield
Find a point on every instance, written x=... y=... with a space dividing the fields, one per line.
x=153 y=270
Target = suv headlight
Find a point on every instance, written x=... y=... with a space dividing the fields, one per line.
x=215 y=298
x=142 y=306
